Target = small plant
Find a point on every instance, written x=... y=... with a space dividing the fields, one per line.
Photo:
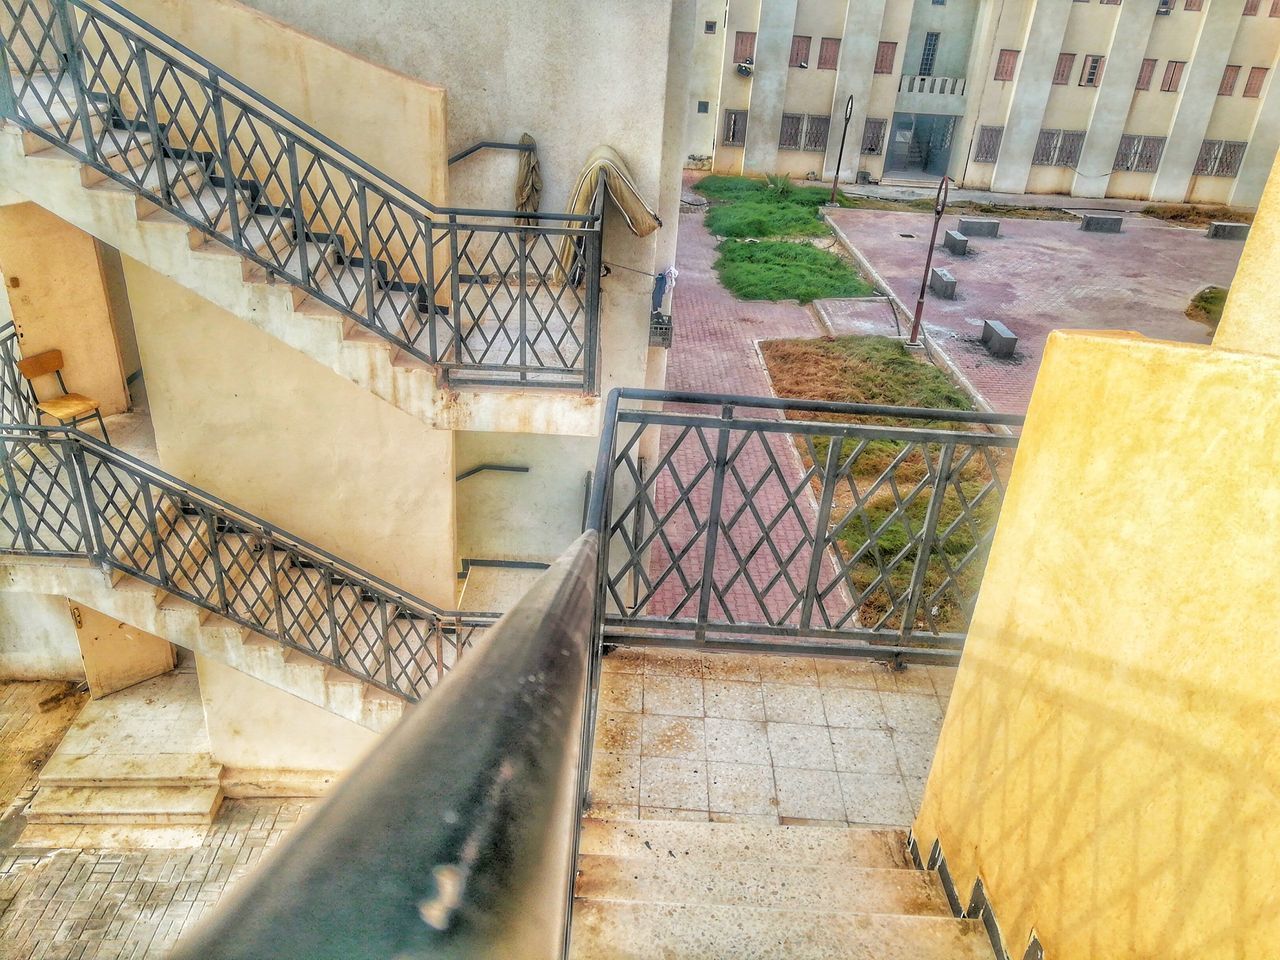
x=1206 y=307
x=782 y=187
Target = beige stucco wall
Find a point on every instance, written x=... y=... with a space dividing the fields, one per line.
x=1108 y=762
x=61 y=301
x=38 y=638
x=1251 y=317
x=239 y=413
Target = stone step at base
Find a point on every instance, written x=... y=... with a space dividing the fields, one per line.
x=740 y=843
x=782 y=886
x=619 y=930
x=150 y=805
x=130 y=770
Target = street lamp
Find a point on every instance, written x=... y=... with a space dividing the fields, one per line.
x=848 y=115
x=939 y=205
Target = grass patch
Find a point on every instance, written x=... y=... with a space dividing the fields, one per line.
x=742 y=207
x=1206 y=307
x=965 y=208
x=779 y=270
x=1184 y=215
x=876 y=538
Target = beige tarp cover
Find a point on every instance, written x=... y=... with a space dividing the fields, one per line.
x=605 y=166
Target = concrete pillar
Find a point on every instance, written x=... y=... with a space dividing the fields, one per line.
x=1264 y=141
x=768 y=86
x=1032 y=85
x=1125 y=53
x=977 y=76
x=862 y=24
x=1196 y=100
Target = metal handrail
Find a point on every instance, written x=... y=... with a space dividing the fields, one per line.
x=94 y=501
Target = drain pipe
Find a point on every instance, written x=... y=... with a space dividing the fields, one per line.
x=940 y=204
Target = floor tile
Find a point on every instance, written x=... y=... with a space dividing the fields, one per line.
x=914 y=749
x=681 y=738
x=800 y=745
x=621 y=691
x=615 y=778
x=912 y=711
x=675 y=696
x=911 y=679
x=846 y=707
x=731 y=666
x=792 y=703
x=741 y=788
x=733 y=699
x=860 y=674
x=864 y=751
x=673 y=663
x=764 y=819
x=618 y=732
x=788 y=669
x=673 y=783
x=873 y=798
x=738 y=741
x=810 y=794
x=672 y=813
x=623 y=660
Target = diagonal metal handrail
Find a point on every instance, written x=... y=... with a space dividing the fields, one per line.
x=67 y=494
x=484 y=295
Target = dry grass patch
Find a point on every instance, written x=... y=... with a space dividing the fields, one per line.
x=1184 y=215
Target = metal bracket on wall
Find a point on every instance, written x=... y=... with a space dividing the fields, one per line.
x=469 y=562
x=498 y=467
x=491 y=145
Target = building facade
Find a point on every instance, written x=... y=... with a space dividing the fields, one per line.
x=1163 y=100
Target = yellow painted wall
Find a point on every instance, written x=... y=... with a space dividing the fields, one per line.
x=241 y=414
x=1251 y=318
x=61 y=301
x=1110 y=759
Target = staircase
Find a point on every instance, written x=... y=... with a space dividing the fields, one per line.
x=726 y=891
x=139 y=142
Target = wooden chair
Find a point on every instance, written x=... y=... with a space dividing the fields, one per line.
x=70 y=408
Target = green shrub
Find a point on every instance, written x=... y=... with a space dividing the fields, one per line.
x=776 y=270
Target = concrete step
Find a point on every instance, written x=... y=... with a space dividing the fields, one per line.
x=741 y=843
x=140 y=804
x=619 y=930
x=137 y=770
x=786 y=886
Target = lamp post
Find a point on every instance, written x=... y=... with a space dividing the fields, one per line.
x=848 y=115
x=940 y=204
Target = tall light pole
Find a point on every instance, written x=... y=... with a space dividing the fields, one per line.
x=940 y=204
x=848 y=115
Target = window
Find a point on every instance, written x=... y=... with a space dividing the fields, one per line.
x=828 y=53
x=1062 y=72
x=1250 y=8
x=1006 y=64
x=1139 y=154
x=1257 y=77
x=885 y=54
x=1091 y=72
x=1219 y=158
x=930 y=53
x=1229 y=77
x=792 y=125
x=1275 y=9
x=709 y=26
x=744 y=46
x=1114 y=3
x=873 y=135
x=939 y=3
x=1193 y=5
x=988 y=147
x=1145 y=73
x=815 y=133
x=1058 y=148
x=1164 y=8
x=704 y=106
x=1172 y=76
x=735 y=127
x=800 y=51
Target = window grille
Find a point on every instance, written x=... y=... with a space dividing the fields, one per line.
x=988 y=147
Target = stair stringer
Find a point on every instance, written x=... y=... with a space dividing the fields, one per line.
x=116 y=215
x=153 y=610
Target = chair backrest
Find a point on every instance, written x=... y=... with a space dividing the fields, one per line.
x=42 y=363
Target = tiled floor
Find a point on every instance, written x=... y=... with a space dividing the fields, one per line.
x=34 y=716
x=729 y=737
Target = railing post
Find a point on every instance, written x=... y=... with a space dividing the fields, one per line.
x=720 y=467
x=74 y=63
x=299 y=221
x=335 y=651
x=277 y=598
x=11 y=492
x=431 y=290
x=455 y=295
x=90 y=534
x=591 y=356
x=150 y=507
x=835 y=447
x=229 y=179
x=366 y=256
x=153 y=125
x=8 y=73
x=219 y=575
x=524 y=302
x=927 y=536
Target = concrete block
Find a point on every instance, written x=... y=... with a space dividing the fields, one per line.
x=956 y=242
x=942 y=283
x=1101 y=223
x=973 y=227
x=1227 y=231
x=999 y=340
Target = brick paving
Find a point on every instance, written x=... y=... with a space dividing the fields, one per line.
x=1040 y=276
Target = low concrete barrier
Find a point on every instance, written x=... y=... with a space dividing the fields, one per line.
x=956 y=242
x=942 y=283
x=972 y=227
x=1101 y=223
x=1227 y=231
x=999 y=340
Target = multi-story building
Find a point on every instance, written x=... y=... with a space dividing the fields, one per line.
x=1163 y=100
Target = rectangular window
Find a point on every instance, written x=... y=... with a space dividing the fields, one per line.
x=1091 y=72
x=709 y=26
x=800 y=51
x=1172 y=76
x=873 y=135
x=1058 y=148
x=1114 y=3
x=1257 y=77
x=744 y=46
x=828 y=53
x=988 y=147
x=1139 y=154
x=1229 y=77
x=1145 y=73
x=704 y=106
x=1193 y=5
x=930 y=53
x=1062 y=72
x=792 y=125
x=939 y=3
x=1219 y=158
x=1250 y=8
x=1164 y=8
x=1006 y=64
x=885 y=54
x=735 y=127
x=815 y=133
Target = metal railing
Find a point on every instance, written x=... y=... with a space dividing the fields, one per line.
x=485 y=297
x=928 y=83
x=17 y=403
x=752 y=523
x=66 y=494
